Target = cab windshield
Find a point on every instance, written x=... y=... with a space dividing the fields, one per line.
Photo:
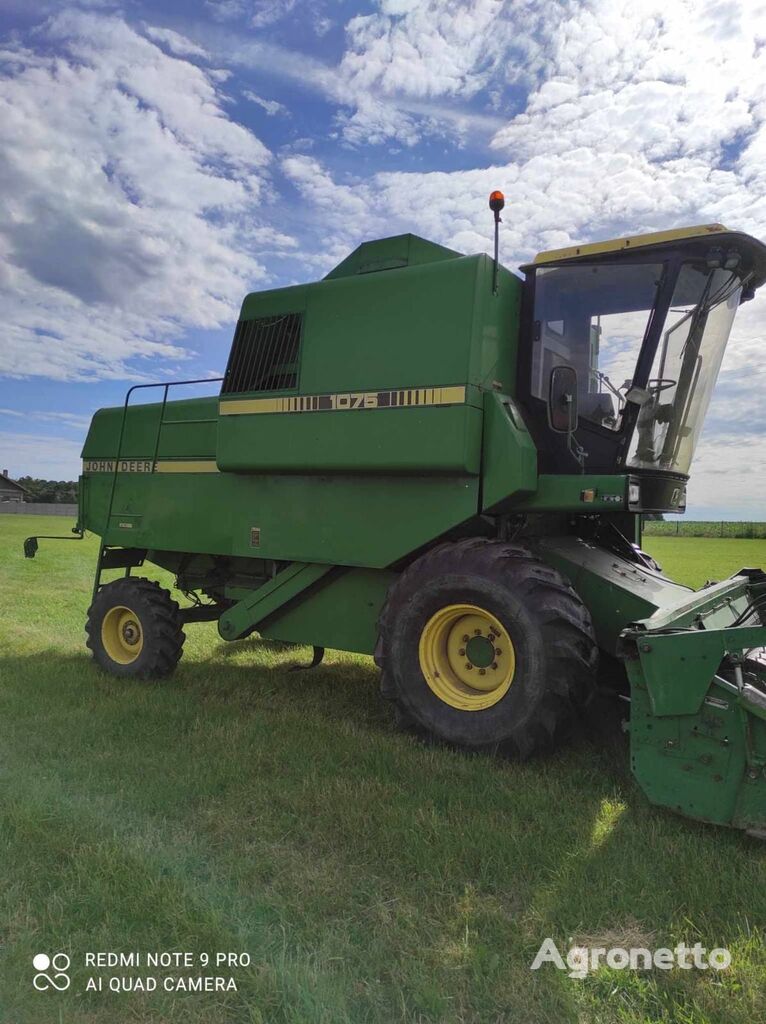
x=594 y=318
x=675 y=400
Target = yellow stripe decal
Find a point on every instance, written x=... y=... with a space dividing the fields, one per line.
x=145 y=466
x=453 y=395
x=191 y=466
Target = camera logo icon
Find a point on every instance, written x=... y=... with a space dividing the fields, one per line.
x=51 y=972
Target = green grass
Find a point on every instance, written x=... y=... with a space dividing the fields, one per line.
x=241 y=807
x=694 y=561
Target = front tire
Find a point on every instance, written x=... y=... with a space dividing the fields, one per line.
x=134 y=629
x=485 y=646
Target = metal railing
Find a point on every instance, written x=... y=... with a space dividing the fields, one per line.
x=160 y=423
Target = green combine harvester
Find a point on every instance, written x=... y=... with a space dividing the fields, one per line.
x=428 y=458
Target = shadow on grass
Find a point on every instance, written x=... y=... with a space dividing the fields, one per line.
x=336 y=693
x=255 y=644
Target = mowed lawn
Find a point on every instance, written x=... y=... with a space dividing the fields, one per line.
x=240 y=807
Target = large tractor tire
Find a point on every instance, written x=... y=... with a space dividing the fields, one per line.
x=134 y=629
x=485 y=646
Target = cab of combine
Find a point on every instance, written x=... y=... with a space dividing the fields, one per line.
x=642 y=324
x=427 y=457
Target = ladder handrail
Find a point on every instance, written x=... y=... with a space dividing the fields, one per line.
x=138 y=387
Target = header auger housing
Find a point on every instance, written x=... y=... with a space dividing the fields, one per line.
x=427 y=458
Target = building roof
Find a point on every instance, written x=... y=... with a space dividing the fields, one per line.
x=7 y=480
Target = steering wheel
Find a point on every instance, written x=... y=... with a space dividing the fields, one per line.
x=660 y=384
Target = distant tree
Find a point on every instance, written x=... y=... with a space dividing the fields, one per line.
x=50 y=491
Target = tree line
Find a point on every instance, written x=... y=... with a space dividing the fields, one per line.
x=52 y=491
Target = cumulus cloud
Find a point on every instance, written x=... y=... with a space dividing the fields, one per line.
x=226 y=10
x=125 y=190
x=271 y=107
x=263 y=14
x=431 y=51
x=409 y=70
x=176 y=42
x=267 y=12
x=663 y=80
x=431 y=48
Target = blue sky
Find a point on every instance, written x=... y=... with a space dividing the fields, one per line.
x=160 y=159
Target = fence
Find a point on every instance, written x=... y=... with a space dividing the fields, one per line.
x=692 y=528
x=29 y=508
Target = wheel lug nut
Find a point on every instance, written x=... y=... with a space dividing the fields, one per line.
x=466 y=638
x=477 y=632
x=498 y=652
x=461 y=652
x=482 y=671
x=468 y=665
x=494 y=664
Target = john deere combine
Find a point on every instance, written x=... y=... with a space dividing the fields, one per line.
x=430 y=459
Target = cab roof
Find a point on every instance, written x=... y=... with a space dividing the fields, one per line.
x=754 y=251
x=629 y=242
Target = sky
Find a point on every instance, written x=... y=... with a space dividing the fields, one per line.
x=159 y=160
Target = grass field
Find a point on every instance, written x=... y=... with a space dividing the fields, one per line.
x=241 y=807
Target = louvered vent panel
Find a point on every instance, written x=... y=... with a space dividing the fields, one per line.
x=264 y=355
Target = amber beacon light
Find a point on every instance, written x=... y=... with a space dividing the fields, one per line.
x=496 y=203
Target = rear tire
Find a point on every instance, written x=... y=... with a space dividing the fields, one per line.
x=134 y=629
x=529 y=635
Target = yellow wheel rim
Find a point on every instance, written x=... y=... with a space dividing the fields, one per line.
x=467 y=657
x=121 y=635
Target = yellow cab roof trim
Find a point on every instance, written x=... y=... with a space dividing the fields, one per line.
x=631 y=242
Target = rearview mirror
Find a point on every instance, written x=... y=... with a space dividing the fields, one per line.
x=562 y=400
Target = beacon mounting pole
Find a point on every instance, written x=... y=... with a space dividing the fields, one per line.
x=496 y=203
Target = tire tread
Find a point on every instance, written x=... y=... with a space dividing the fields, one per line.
x=563 y=619
x=160 y=609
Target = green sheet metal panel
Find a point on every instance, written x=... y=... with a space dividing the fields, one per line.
x=495 y=332
x=390 y=253
x=584 y=492
x=274 y=301
x=346 y=520
x=614 y=591
x=342 y=612
x=187 y=430
x=509 y=456
x=289 y=584
x=400 y=328
x=677 y=667
x=692 y=764
x=406 y=328
x=443 y=439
